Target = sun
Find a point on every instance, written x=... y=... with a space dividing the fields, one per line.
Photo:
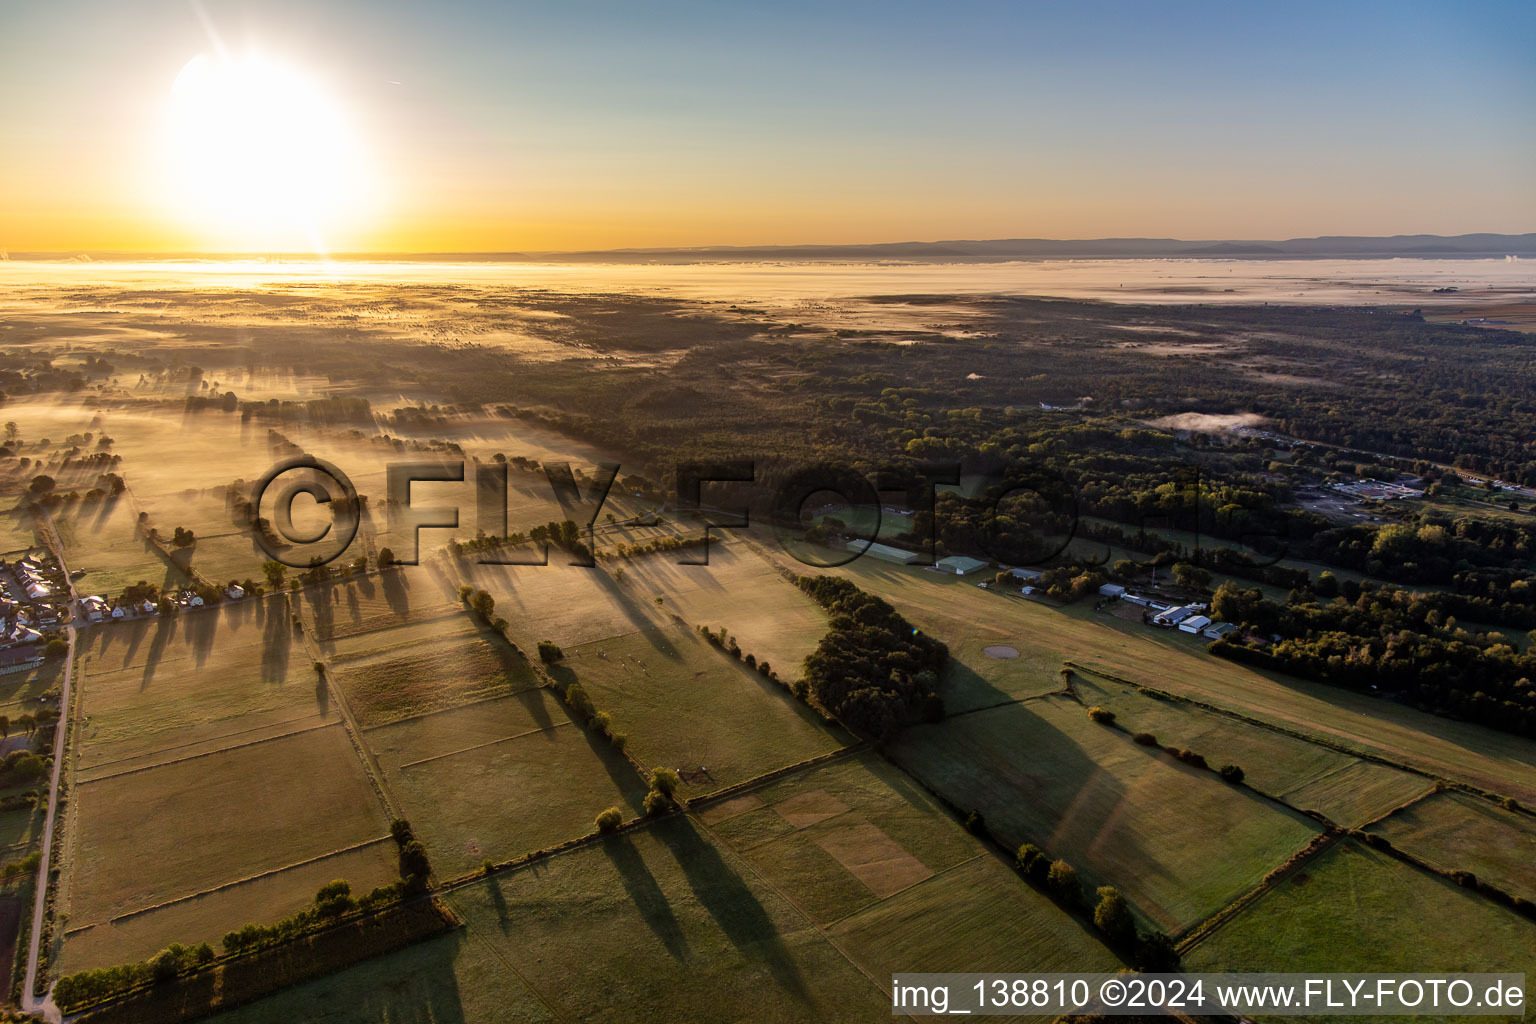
x=262 y=157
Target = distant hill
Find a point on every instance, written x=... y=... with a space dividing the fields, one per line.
x=990 y=250
x=960 y=251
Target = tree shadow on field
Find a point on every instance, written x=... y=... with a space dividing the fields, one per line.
x=415 y=985
x=165 y=628
x=276 y=640
x=646 y=894
x=636 y=612
x=395 y=586
x=202 y=626
x=731 y=902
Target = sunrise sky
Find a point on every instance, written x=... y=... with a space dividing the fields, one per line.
x=413 y=127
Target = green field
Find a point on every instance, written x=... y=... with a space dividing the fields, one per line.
x=687 y=705
x=408 y=670
x=1308 y=776
x=104 y=540
x=208 y=916
x=1356 y=909
x=1176 y=840
x=865 y=852
x=1456 y=832
x=162 y=689
x=378 y=601
x=1174 y=661
x=654 y=925
x=739 y=590
x=501 y=778
x=167 y=832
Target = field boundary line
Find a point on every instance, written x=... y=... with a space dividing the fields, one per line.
x=232 y=884
x=978 y=855
x=482 y=746
x=1203 y=929
x=208 y=753
x=776 y=775
x=350 y=727
x=193 y=743
x=1334 y=745
x=457 y=707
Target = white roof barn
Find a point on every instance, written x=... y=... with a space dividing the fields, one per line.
x=960 y=565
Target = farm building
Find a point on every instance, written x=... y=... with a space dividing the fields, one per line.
x=1194 y=624
x=1219 y=630
x=1027 y=574
x=1175 y=616
x=885 y=552
x=960 y=565
x=1111 y=590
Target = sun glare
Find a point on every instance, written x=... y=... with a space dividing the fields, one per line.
x=262 y=157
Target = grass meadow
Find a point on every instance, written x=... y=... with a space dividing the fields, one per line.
x=1176 y=840
x=1357 y=909
x=500 y=778
x=1457 y=832
x=685 y=704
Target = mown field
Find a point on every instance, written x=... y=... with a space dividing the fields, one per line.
x=948 y=606
x=366 y=603
x=161 y=689
x=1176 y=840
x=685 y=704
x=1348 y=790
x=145 y=837
x=1357 y=909
x=500 y=778
x=1456 y=832
x=865 y=852
x=390 y=674
x=738 y=590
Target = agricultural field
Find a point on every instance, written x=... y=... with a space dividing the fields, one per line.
x=1173 y=661
x=166 y=832
x=209 y=914
x=685 y=704
x=426 y=666
x=1308 y=776
x=741 y=591
x=105 y=541
x=1176 y=840
x=1456 y=832
x=865 y=852
x=1357 y=909
x=500 y=778
x=363 y=604
x=162 y=689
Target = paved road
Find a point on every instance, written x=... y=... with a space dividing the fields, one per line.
x=29 y=1002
